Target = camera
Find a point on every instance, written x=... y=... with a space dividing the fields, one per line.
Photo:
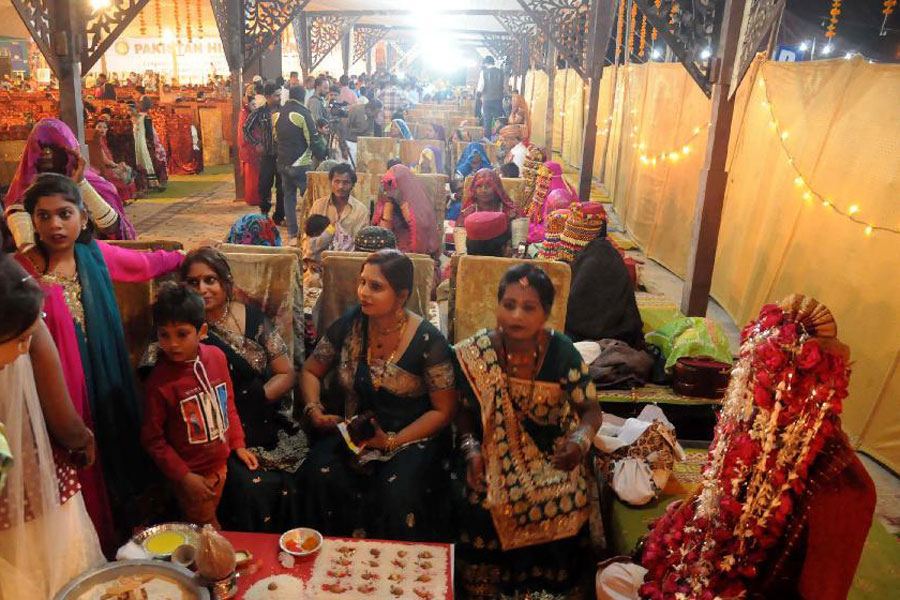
x=337 y=110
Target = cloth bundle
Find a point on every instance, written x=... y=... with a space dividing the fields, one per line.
x=638 y=454
x=613 y=364
x=693 y=337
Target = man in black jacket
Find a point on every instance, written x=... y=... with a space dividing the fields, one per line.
x=259 y=131
x=295 y=132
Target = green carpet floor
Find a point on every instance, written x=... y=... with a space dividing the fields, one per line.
x=182 y=186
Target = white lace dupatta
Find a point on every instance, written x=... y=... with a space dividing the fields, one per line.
x=37 y=556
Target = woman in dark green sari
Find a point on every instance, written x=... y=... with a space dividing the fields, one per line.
x=264 y=499
x=529 y=413
x=395 y=366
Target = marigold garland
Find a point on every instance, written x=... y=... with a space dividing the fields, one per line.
x=187 y=20
x=632 y=27
x=142 y=24
x=833 y=21
x=620 y=26
x=157 y=9
x=889 y=7
x=177 y=20
x=654 y=33
x=200 y=19
x=643 y=42
x=672 y=13
x=781 y=407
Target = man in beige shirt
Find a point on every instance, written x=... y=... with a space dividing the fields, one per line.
x=341 y=208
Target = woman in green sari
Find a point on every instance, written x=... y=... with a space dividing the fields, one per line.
x=528 y=415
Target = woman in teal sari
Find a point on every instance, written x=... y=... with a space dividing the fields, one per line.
x=527 y=419
x=76 y=273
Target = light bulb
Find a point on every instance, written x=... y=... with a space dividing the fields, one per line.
x=868 y=230
x=685 y=149
x=656 y=53
x=798 y=181
x=696 y=130
x=674 y=156
x=804 y=46
x=848 y=56
x=784 y=135
x=807 y=196
x=825 y=203
x=653 y=161
x=854 y=208
x=826 y=50
x=99 y=4
x=765 y=104
x=705 y=54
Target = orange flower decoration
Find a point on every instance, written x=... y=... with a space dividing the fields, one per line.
x=835 y=12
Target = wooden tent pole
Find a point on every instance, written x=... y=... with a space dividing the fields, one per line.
x=69 y=20
x=548 y=117
x=713 y=176
x=346 y=49
x=601 y=21
x=234 y=46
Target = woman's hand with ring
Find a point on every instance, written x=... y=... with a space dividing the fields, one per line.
x=380 y=439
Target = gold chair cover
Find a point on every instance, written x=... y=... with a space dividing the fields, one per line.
x=473 y=292
x=411 y=149
x=339 y=280
x=135 y=300
x=374 y=153
x=270 y=280
x=436 y=188
x=11 y=152
x=473 y=134
x=215 y=149
x=297 y=325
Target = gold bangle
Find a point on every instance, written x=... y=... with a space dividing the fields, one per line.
x=391 y=444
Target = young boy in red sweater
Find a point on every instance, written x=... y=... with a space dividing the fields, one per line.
x=190 y=421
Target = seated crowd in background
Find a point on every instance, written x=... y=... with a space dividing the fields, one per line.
x=387 y=431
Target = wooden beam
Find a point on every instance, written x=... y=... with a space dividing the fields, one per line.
x=602 y=15
x=346 y=49
x=233 y=43
x=114 y=22
x=548 y=117
x=68 y=23
x=409 y=13
x=713 y=176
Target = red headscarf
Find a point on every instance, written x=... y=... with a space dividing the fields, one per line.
x=490 y=177
x=415 y=224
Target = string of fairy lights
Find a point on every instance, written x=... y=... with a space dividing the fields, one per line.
x=851 y=212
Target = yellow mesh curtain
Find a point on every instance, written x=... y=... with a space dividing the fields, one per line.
x=841 y=119
x=574 y=118
x=559 y=94
x=538 y=105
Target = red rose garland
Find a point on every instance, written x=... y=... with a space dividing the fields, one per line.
x=782 y=405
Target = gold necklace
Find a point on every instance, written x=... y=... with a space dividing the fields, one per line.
x=378 y=380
